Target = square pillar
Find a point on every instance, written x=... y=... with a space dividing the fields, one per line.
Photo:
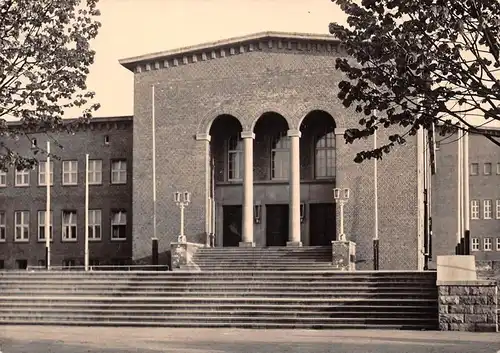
x=294 y=180
x=247 y=236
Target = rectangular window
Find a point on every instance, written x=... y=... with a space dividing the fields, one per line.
x=498 y=244
x=94 y=224
x=497 y=209
x=42 y=173
x=487 y=209
x=119 y=225
x=22 y=177
x=487 y=244
x=68 y=264
x=118 y=172
x=3 y=225
x=69 y=225
x=475 y=244
x=235 y=159
x=280 y=157
x=22 y=226
x=325 y=156
x=41 y=225
x=70 y=172
x=474 y=168
x=498 y=168
x=95 y=171
x=3 y=178
x=487 y=168
x=474 y=209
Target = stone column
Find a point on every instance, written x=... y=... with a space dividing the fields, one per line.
x=247 y=237
x=294 y=180
x=208 y=216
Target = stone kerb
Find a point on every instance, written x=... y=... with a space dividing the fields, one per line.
x=468 y=306
x=343 y=255
x=182 y=253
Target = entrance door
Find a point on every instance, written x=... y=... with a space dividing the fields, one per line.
x=322 y=224
x=232 y=228
x=276 y=225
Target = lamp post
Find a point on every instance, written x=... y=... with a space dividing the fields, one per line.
x=182 y=199
x=341 y=196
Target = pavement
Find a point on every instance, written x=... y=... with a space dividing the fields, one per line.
x=73 y=339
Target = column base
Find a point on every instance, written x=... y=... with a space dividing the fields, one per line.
x=343 y=255
x=247 y=244
x=294 y=243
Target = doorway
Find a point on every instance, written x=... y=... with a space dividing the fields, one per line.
x=322 y=224
x=232 y=225
x=276 y=225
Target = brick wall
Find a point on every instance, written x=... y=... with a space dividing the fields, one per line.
x=104 y=197
x=190 y=96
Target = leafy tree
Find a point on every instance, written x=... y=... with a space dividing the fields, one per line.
x=44 y=62
x=415 y=63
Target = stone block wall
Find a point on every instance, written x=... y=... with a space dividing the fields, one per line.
x=468 y=306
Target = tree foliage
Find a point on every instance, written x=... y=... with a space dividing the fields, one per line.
x=415 y=63
x=45 y=56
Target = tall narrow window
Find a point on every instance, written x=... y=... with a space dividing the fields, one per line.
x=487 y=244
x=22 y=177
x=487 y=209
x=119 y=225
x=235 y=158
x=3 y=178
x=94 y=224
x=325 y=156
x=70 y=172
x=41 y=225
x=497 y=209
x=95 y=171
x=42 y=173
x=487 y=168
x=3 y=224
x=280 y=156
x=118 y=172
x=475 y=244
x=69 y=225
x=474 y=209
x=22 y=226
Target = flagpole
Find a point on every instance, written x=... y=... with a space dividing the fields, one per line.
x=466 y=192
x=375 y=206
x=153 y=128
x=459 y=191
x=48 y=180
x=86 y=252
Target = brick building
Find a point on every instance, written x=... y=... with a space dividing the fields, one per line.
x=266 y=102
x=108 y=141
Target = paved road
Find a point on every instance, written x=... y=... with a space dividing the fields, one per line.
x=54 y=339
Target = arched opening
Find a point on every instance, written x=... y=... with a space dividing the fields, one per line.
x=226 y=156
x=318 y=165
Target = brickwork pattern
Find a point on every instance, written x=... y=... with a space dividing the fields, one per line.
x=104 y=197
x=246 y=86
x=468 y=308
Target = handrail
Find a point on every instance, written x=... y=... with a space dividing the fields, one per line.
x=104 y=268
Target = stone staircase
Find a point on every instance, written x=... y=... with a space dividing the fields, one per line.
x=244 y=299
x=318 y=258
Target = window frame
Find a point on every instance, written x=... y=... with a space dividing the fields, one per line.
x=473 y=205
x=44 y=173
x=487 y=209
x=41 y=236
x=489 y=242
x=498 y=244
x=474 y=244
x=25 y=174
x=25 y=226
x=72 y=173
x=474 y=171
x=326 y=147
x=93 y=171
x=113 y=171
x=3 y=179
x=490 y=168
x=93 y=224
x=3 y=226
x=280 y=145
x=113 y=224
x=238 y=152
x=64 y=237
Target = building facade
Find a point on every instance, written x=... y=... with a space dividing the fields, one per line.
x=108 y=141
x=253 y=129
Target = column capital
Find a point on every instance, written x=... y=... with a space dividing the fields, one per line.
x=203 y=137
x=247 y=135
x=294 y=133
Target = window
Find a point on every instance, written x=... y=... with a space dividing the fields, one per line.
x=3 y=230
x=42 y=173
x=118 y=172
x=94 y=224
x=487 y=244
x=21 y=264
x=487 y=212
x=325 y=156
x=475 y=244
x=235 y=158
x=497 y=209
x=474 y=168
x=41 y=225
x=70 y=172
x=34 y=143
x=487 y=168
x=118 y=225
x=93 y=262
x=22 y=177
x=2 y=264
x=498 y=168
x=22 y=225
x=474 y=209
x=438 y=145
x=3 y=178
x=69 y=225
x=106 y=139
x=280 y=156
x=95 y=171
x=498 y=244
x=68 y=263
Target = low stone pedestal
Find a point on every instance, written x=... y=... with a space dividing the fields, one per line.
x=343 y=255
x=181 y=253
x=468 y=306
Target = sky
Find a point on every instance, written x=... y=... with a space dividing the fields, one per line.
x=136 y=27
